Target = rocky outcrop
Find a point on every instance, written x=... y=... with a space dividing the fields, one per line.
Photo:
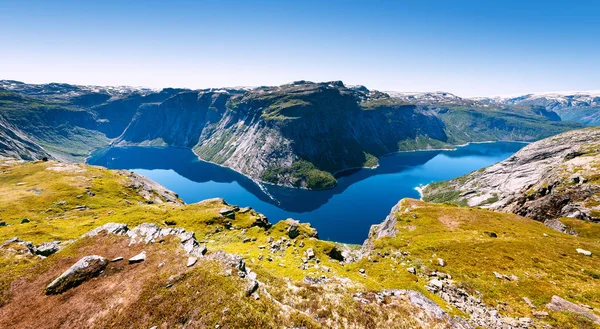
x=560 y=304
x=430 y=308
x=545 y=180
x=85 y=269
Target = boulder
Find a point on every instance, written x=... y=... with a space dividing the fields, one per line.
x=227 y=213
x=411 y=270
x=559 y=304
x=293 y=230
x=85 y=269
x=47 y=248
x=138 y=258
x=310 y=253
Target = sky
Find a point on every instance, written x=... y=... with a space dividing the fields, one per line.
x=469 y=48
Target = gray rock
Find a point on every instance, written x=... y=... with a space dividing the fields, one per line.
x=310 y=253
x=441 y=262
x=227 y=212
x=85 y=269
x=559 y=304
x=411 y=270
x=292 y=230
x=47 y=248
x=109 y=228
x=138 y=258
x=117 y=259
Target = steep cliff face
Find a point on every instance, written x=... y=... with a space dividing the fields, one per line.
x=14 y=143
x=549 y=179
x=298 y=135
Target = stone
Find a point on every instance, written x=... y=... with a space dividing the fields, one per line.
x=310 y=253
x=25 y=220
x=498 y=275
x=108 y=228
x=83 y=270
x=584 y=252
x=441 y=262
x=227 y=213
x=138 y=258
x=559 y=304
x=362 y=271
x=436 y=284
x=191 y=261
x=540 y=315
x=292 y=230
x=117 y=259
x=47 y=248
x=411 y=270
x=2 y=224
x=528 y=302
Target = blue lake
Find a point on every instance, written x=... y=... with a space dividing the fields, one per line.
x=345 y=213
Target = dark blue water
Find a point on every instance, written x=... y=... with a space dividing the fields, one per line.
x=345 y=213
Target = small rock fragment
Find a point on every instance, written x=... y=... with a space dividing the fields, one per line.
x=191 y=261
x=138 y=258
x=584 y=252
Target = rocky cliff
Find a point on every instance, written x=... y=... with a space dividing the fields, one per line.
x=296 y=135
x=549 y=179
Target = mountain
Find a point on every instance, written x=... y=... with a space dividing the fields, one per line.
x=86 y=247
x=298 y=135
x=555 y=178
x=583 y=107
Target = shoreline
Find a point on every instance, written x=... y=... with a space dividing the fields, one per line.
x=262 y=184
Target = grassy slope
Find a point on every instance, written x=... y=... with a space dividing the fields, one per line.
x=547 y=265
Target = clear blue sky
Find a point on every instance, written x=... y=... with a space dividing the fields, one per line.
x=470 y=48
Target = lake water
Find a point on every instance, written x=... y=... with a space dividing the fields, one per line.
x=345 y=213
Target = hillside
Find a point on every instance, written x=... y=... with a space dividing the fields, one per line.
x=213 y=264
x=583 y=107
x=555 y=178
x=296 y=135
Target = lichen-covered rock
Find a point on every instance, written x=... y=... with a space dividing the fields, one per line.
x=85 y=269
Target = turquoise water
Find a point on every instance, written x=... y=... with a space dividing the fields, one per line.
x=345 y=213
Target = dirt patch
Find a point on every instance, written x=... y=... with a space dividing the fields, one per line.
x=450 y=222
x=80 y=307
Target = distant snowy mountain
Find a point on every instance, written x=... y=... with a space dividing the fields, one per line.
x=579 y=106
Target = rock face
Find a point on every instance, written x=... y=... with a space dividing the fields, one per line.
x=560 y=304
x=545 y=180
x=85 y=269
x=295 y=135
x=15 y=144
